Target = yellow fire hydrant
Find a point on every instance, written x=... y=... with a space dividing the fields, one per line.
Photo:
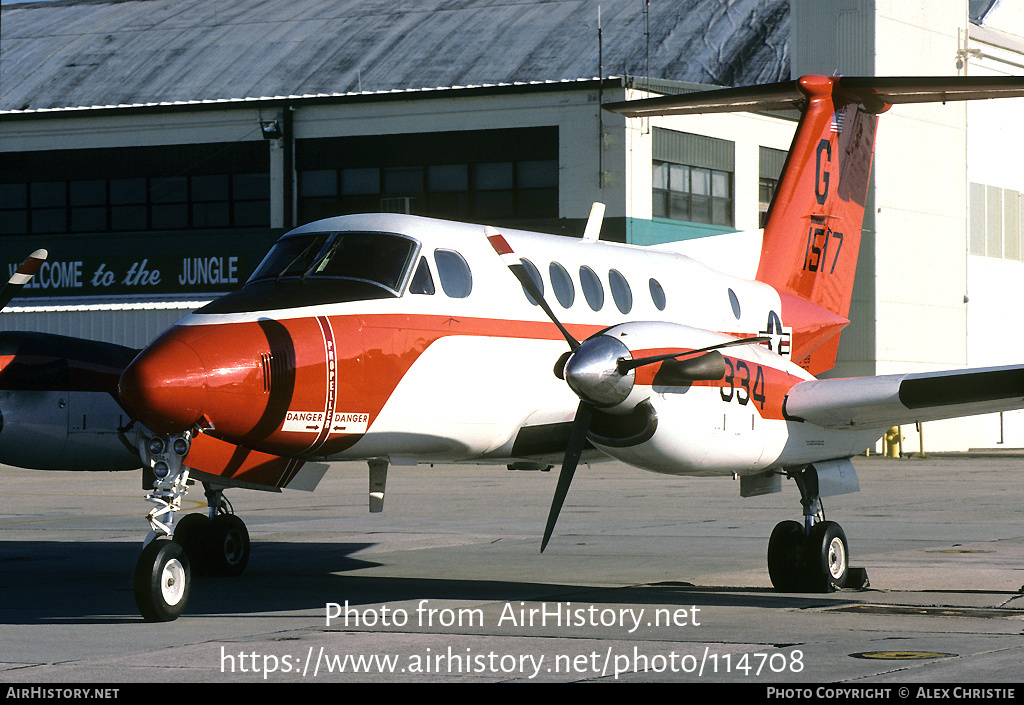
x=893 y=442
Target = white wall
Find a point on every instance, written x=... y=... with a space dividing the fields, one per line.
x=995 y=153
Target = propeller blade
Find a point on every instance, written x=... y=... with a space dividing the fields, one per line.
x=21 y=277
x=625 y=366
x=577 y=438
x=514 y=264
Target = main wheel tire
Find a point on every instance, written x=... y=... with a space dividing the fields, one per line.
x=828 y=557
x=192 y=532
x=162 y=580
x=227 y=548
x=786 y=557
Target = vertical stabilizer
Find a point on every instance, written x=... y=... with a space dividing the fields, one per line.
x=812 y=235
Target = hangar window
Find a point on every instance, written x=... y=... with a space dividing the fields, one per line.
x=621 y=294
x=694 y=194
x=88 y=205
x=770 y=165
x=13 y=209
x=447 y=190
x=454 y=273
x=561 y=284
x=169 y=203
x=422 y=282
x=176 y=187
x=211 y=201
x=250 y=199
x=462 y=175
x=692 y=178
x=593 y=291
x=493 y=190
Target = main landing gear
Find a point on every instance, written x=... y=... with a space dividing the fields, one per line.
x=813 y=556
x=215 y=543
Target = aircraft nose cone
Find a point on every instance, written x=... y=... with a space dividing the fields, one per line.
x=165 y=387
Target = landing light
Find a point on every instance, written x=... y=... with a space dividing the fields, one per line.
x=157 y=446
x=180 y=446
x=160 y=469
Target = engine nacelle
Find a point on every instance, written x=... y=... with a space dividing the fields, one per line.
x=716 y=410
x=64 y=430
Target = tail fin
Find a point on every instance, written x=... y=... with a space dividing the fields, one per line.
x=812 y=235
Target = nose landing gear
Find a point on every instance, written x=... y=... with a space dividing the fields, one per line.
x=216 y=543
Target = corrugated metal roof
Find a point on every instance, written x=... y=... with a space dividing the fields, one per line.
x=80 y=53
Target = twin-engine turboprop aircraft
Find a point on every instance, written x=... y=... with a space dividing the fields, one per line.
x=396 y=339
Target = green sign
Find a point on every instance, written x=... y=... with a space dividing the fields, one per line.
x=144 y=265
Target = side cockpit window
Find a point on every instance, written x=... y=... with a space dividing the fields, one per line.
x=422 y=282
x=454 y=273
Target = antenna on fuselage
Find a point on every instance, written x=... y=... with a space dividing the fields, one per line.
x=593 y=230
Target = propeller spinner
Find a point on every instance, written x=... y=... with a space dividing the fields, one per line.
x=601 y=372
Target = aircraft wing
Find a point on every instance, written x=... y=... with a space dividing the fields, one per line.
x=890 y=400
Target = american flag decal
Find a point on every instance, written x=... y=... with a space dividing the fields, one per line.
x=838 y=117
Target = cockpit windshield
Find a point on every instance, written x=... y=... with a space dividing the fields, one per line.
x=380 y=258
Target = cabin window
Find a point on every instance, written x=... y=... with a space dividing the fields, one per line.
x=657 y=294
x=422 y=282
x=734 y=303
x=561 y=284
x=454 y=273
x=593 y=292
x=534 y=274
x=621 y=294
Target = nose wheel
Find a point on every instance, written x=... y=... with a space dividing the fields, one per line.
x=162 y=580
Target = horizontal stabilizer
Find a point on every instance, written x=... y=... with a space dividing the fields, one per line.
x=237 y=465
x=884 y=91
x=890 y=400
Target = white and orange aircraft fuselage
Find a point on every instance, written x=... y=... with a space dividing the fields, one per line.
x=398 y=339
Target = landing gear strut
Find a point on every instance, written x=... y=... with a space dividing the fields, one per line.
x=813 y=556
x=213 y=544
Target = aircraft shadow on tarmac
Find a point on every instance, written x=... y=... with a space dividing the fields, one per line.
x=48 y=582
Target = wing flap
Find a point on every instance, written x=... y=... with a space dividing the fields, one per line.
x=889 y=400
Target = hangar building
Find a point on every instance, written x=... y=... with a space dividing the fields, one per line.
x=157 y=148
